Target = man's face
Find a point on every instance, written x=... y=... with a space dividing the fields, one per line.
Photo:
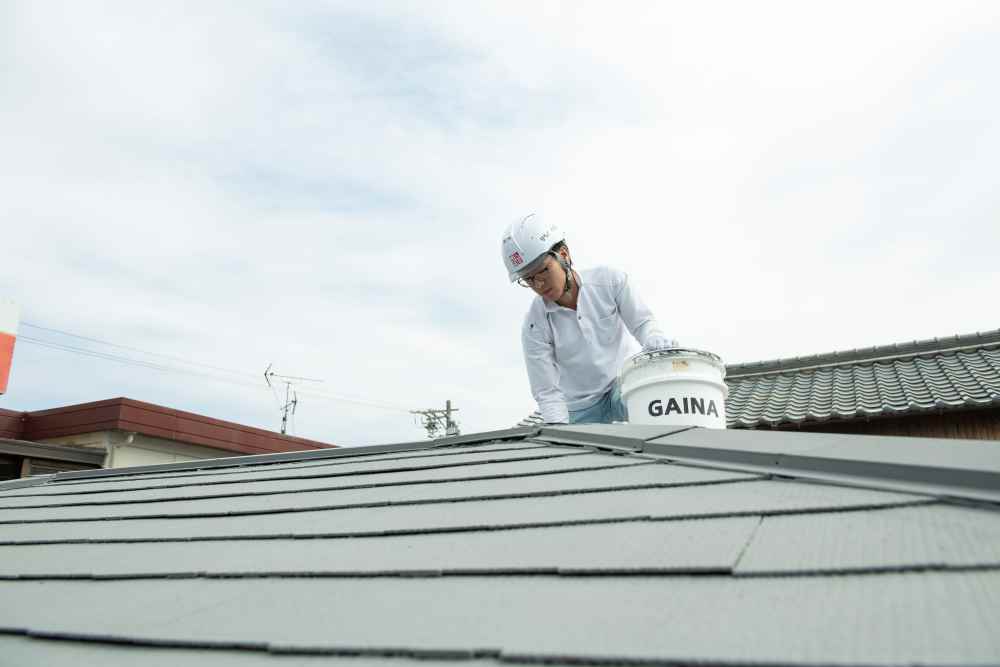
x=548 y=281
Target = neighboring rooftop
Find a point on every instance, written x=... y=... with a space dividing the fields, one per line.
x=577 y=545
x=920 y=377
x=127 y=415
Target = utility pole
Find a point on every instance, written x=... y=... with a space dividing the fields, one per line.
x=438 y=420
x=290 y=405
x=450 y=427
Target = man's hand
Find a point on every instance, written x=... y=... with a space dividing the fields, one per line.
x=655 y=342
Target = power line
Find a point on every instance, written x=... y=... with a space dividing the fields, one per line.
x=150 y=365
x=129 y=361
x=136 y=349
x=358 y=401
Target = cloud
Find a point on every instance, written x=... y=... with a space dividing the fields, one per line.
x=323 y=188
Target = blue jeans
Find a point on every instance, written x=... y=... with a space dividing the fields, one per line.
x=609 y=408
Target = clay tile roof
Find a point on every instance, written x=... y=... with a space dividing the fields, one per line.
x=959 y=372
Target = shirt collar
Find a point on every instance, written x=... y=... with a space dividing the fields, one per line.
x=552 y=306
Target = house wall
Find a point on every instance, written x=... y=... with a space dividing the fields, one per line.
x=146 y=450
x=976 y=425
x=95 y=440
x=10 y=424
x=143 y=450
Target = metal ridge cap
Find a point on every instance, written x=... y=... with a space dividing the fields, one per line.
x=304 y=455
x=566 y=434
x=488 y=436
x=864 y=355
x=927 y=479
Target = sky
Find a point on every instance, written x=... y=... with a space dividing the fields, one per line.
x=216 y=187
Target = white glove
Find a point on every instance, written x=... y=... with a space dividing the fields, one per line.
x=657 y=342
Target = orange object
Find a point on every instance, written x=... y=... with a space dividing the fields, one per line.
x=6 y=355
x=9 y=317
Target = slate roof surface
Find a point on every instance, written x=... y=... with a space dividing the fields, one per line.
x=928 y=376
x=572 y=545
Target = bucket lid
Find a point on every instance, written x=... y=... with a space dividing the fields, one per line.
x=644 y=358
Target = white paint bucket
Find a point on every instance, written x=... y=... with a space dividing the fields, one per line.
x=675 y=387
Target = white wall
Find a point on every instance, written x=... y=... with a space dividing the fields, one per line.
x=97 y=440
x=146 y=450
x=143 y=450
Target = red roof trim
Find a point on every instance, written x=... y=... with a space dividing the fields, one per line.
x=126 y=414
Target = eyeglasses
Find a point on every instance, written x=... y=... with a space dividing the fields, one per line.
x=537 y=278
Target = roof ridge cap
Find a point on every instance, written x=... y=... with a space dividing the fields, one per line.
x=864 y=355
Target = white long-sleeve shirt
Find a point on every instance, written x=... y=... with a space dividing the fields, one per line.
x=574 y=356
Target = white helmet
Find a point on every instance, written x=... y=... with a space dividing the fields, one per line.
x=525 y=244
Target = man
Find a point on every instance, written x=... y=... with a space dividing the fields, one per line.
x=574 y=335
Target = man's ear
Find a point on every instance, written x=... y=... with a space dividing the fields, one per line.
x=564 y=253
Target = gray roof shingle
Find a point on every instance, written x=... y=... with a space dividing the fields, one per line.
x=571 y=545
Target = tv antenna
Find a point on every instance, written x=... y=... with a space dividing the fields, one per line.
x=291 y=396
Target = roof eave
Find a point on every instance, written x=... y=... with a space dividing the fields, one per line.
x=284 y=457
x=978 y=340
